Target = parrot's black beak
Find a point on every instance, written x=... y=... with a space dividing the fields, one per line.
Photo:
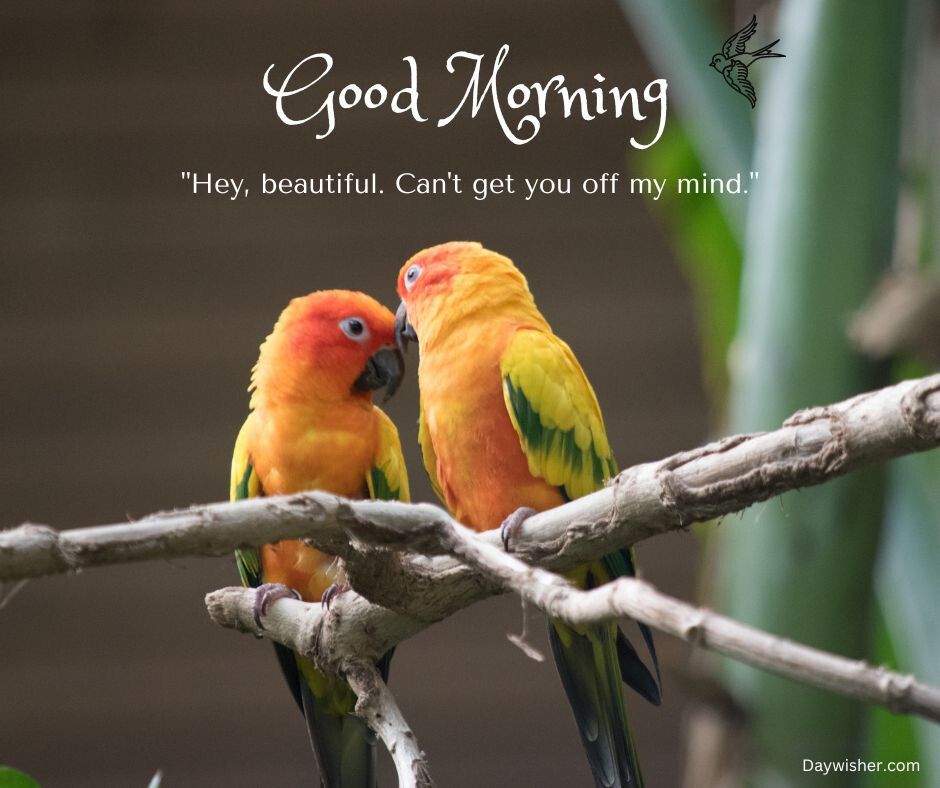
x=404 y=332
x=384 y=369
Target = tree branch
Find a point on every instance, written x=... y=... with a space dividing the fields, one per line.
x=901 y=316
x=413 y=564
x=400 y=566
x=301 y=628
x=304 y=627
x=812 y=447
x=377 y=706
x=634 y=598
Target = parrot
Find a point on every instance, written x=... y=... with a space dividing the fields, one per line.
x=509 y=425
x=312 y=425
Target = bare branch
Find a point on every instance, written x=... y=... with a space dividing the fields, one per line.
x=305 y=629
x=724 y=477
x=412 y=564
x=901 y=316
x=303 y=626
x=634 y=598
x=377 y=706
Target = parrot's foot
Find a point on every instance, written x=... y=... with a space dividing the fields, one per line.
x=511 y=525
x=331 y=593
x=267 y=594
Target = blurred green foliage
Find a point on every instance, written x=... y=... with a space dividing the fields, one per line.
x=890 y=736
x=707 y=248
x=818 y=234
x=14 y=778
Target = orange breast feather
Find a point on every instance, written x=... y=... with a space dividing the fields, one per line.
x=334 y=454
x=481 y=467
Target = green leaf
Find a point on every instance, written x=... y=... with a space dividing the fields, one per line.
x=891 y=736
x=706 y=247
x=14 y=778
x=907 y=577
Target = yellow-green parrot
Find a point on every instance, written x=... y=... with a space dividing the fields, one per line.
x=509 y=426
x=313 y=426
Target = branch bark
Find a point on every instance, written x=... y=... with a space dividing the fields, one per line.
x=377 y=706
x=400 y=568
x=812 y=447
x=634 y=598
x=412 y=565
x=902 y=316
x=398 y=565
x=303 y=628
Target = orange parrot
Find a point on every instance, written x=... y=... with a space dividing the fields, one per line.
x=313 y=426
x=509 y=426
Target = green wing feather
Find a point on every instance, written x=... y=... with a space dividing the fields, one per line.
x=245 y=484
x=555 y=413
x=388 y=477
x=561 y=431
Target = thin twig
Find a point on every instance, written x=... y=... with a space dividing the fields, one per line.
x=632 y=597
x=303 y=627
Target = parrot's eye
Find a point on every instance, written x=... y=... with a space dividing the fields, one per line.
x=354 y=328
x=411 y=276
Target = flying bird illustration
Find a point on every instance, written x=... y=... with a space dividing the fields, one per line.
x=733 y=62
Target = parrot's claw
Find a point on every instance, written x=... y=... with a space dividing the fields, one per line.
x=511 y=525
x=267 y=594
x=331 y=593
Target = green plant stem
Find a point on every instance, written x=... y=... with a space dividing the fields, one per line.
x=819 y=233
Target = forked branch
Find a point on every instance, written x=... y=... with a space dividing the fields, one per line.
x=812 y=447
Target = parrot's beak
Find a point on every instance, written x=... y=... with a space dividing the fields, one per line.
x=404 y=332
x=385 y=368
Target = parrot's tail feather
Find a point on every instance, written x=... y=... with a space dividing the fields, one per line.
x=343 y=744
x=590 y=672
x=384 y=665
x=288 y=663
x=651 y=647
x=635 y=674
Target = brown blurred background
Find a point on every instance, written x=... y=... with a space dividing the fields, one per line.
x=131 y=313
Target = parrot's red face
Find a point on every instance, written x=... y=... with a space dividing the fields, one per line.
x=426 y=280
x=333 y=341
x=432 y=270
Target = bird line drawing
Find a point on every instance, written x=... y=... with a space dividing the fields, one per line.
x=733 y=61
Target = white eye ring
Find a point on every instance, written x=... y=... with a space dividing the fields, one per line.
x=355 y=328
x=411 y=276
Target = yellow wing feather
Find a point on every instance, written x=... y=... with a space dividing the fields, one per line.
x=556 y=415
x=244 y=480
x=555 y=412
x=389 y=476
x=428 y=455
x=245 y=484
